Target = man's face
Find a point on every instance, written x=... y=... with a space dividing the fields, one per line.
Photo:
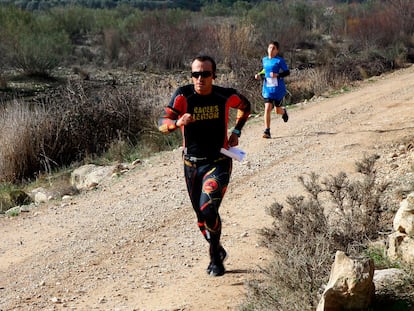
x=203 y=85
x=272 y=50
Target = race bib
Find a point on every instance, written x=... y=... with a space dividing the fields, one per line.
x=272 y=82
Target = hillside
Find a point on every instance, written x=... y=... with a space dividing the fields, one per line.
x=133 y=243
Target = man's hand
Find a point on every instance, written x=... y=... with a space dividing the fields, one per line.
x=185 y=119
x=233 y=140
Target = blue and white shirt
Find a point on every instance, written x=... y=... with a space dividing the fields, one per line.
x=274 y=88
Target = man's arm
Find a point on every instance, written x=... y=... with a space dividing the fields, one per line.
x=284 y=73
x=243 y=106
x=285 y=69
x=260 y=74
x=167 y=122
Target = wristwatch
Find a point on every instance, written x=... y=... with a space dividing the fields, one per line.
x=237 y=132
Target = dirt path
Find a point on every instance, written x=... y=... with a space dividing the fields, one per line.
x=133 y=243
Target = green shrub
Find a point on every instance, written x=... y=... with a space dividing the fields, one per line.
x=11 y=196
x=216 y=9
x=74 y=21
x=379 y=256
x=338 y=213
x=33 y=43
x=38 y=54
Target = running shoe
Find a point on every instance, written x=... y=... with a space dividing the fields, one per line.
x=266 y=134
x=218 y=269
x=285 y=116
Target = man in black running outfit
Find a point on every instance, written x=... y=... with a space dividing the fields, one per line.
x=201 y=110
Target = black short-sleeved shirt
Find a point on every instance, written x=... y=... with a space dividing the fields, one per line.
x=208 y=134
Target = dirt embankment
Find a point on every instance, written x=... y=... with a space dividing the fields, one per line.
x=133 y=243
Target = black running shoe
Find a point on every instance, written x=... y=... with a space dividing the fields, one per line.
x=266 y=134
x=285 y=116
x=217 y=269
x=222 y=258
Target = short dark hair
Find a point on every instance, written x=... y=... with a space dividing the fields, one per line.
x=275 y=43
x=204 y=58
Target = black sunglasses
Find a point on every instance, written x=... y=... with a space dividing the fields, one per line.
x=203 y=74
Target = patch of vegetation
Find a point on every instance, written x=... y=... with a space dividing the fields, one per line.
x=338 y=213
x=31 y=43
x=379 y=257
x=10 y=196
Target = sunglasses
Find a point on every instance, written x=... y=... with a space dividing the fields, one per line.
x=203 y=74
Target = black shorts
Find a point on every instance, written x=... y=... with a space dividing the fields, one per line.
x=274 y=102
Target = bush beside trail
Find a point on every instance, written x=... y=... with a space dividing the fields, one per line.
x=337 y=213
x=80 y=120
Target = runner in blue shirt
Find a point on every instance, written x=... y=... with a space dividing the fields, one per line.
x=274 y=89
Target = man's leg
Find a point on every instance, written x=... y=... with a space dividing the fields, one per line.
x=267 y=116
x=281 y=110
x=214 y=187
x=206 y=196
x=193 y=179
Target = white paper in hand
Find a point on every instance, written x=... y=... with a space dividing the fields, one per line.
x=234 y=153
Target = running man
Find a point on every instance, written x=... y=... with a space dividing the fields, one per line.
x=201 y=110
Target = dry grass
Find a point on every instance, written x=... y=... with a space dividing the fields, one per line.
x=310 y=82
x=83 y=119
x=19 y=152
